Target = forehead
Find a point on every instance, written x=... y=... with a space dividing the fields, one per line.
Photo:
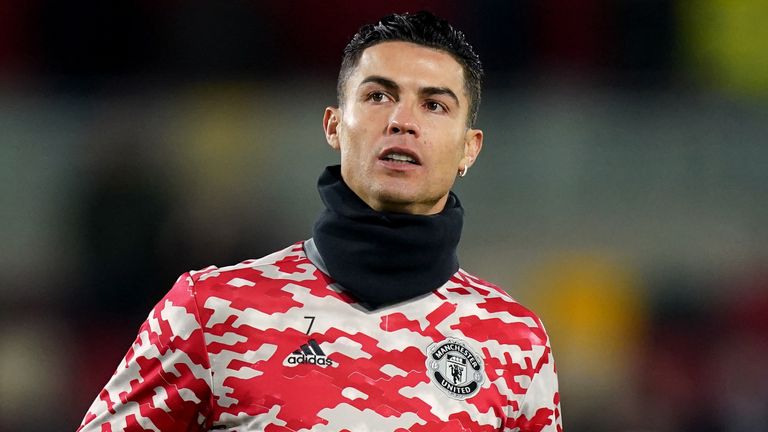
x=410 y=64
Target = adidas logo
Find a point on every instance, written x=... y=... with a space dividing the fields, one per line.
x=309 y=353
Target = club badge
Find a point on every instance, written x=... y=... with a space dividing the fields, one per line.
x=455 y=368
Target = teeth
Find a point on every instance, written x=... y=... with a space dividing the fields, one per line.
x=401 y=158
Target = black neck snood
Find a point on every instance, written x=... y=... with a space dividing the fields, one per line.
x=382 y=258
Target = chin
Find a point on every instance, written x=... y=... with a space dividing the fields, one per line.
x=395 y=198
x=403 y=201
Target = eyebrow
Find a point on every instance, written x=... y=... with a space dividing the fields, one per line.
x=423 y=91
x=437 y=91
x=384 y=82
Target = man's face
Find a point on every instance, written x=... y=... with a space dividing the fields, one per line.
x=402 y=128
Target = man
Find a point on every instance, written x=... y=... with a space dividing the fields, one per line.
x=370 y=325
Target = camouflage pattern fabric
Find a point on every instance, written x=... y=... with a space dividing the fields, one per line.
x=274 y=345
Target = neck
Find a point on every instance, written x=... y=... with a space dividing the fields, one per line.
x=383 y=257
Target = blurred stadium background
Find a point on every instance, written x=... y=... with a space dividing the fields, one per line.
x=622 y=192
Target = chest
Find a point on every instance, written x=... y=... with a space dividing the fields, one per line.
x=333 y=367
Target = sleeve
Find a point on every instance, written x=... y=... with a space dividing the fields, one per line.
x=539 y=410
x=164 y=381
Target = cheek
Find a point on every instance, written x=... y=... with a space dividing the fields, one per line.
x=352 y=155
x=452 y=150
x=344 y=138
x=353 y=140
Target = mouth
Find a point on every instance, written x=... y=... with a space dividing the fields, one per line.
x=399 y=155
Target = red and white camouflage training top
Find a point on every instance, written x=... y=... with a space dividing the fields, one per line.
x=274 y=345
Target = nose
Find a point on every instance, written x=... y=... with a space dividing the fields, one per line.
x=402 y=121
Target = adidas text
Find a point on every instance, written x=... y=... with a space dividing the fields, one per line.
x=311 y=359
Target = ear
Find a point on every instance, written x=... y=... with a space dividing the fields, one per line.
x=331 y=121
x=473 y=142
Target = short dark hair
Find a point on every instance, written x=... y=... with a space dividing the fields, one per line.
x=422 y=28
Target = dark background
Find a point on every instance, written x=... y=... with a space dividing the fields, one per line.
x=622 y=192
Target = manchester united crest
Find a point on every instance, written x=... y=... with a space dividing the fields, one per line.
x=455 y=368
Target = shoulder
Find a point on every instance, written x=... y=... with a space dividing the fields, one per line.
x=282 y=264
x=492 y=307
x=267 y=284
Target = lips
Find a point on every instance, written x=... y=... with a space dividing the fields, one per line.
x=399 y=155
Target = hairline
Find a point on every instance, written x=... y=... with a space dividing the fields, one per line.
x=355 y=62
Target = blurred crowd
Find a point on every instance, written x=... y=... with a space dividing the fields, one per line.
x=622 y=193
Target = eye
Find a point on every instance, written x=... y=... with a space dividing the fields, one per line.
x=434 y=106
x=377 y=96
